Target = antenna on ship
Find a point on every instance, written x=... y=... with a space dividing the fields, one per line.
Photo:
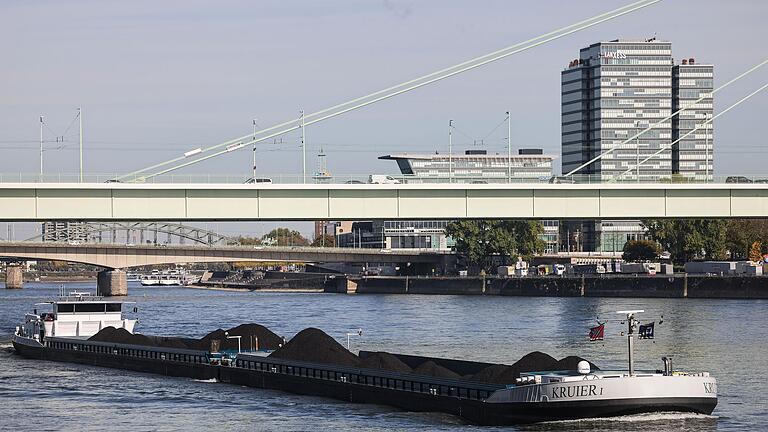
x=631 y=326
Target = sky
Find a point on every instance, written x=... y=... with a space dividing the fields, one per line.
x=158 y=78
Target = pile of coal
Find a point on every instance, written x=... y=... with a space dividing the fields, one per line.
x=433 y=369
x=386 y=361
x=532 y=362
x=315 y=346
x=121 y=336
x=571 y=363
x=252 y=337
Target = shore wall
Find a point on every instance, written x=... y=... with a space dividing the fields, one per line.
x=678 y=286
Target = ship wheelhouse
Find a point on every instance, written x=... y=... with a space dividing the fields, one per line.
x=78 y=315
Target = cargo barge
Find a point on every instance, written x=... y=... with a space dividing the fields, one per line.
x=62 y=335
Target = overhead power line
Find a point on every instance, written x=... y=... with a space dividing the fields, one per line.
x=354 y=104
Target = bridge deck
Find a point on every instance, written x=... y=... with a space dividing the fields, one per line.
x=227 y=202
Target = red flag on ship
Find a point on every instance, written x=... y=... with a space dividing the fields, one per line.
x=597 y=333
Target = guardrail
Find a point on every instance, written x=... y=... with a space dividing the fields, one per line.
x=359 y=179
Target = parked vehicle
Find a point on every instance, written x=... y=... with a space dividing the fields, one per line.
x=260 y=180
x=562 y=180
x=737 y=179
x=382 y=179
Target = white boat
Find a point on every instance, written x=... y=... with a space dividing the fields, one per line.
x=77 y=315
x=164 y=278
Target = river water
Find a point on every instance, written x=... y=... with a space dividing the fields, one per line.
x=725 y=337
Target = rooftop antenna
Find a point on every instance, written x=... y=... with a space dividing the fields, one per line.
x=631 y=326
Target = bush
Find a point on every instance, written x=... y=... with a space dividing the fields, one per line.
x=641 y=250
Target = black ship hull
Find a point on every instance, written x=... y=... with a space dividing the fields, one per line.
x=345 y=384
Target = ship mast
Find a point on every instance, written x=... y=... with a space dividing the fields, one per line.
x=631 y=326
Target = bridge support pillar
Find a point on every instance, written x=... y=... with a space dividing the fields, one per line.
x=112 y=283
x=14 y=276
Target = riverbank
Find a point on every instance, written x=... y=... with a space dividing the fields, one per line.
x=640 y=286
x=56 y=277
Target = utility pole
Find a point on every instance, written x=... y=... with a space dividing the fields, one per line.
x=450 y=151
x=253 y=166
x=509 y=147
x=80 y=117
x=303 y=149
x=41 y=148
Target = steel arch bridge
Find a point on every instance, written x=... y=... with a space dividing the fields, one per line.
x=185 y=232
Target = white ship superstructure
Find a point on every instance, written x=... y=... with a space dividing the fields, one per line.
x=77 y=315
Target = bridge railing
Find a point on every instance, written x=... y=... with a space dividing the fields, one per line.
x=264 y=179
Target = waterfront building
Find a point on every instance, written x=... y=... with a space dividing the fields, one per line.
x=614 y=90
x=476 y=166
x=692 y=156
x=395 y=234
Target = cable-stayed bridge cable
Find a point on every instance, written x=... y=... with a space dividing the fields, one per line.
x=398 y=89
x=708 y=121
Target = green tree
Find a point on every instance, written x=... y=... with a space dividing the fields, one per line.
x=324 y=240
x=284 y=237
x=248 y=241
x=641 y=250
x=742 y=234
x=689 y=239
x=479 y=241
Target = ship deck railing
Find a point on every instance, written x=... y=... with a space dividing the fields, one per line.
x=378 y=378
x=381 y=378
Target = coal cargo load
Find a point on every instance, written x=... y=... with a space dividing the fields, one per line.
x=385 y=361
x=315 y=346
x=433 y=369
x=532 y=362
x=252 y=337
x=571 y=363
x=121 y=336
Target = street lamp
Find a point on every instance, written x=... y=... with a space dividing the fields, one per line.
x=226 y=334
x=359 y=333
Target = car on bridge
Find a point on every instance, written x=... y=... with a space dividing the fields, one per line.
x=258 y=180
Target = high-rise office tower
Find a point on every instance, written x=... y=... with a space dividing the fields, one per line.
x=692 y=155
x=610 y=93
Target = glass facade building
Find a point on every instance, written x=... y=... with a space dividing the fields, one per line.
x=692 y=155
x=474 y=165
x=614 y=90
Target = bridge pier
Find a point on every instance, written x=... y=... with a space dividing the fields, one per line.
x=14 y=276
x=112 y=283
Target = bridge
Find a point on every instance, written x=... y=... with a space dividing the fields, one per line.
x=115 y=257
x=151 y=229
x=284 y=202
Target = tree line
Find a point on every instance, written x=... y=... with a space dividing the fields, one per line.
x=701 y=239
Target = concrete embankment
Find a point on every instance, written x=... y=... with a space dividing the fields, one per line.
x=678 y=286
